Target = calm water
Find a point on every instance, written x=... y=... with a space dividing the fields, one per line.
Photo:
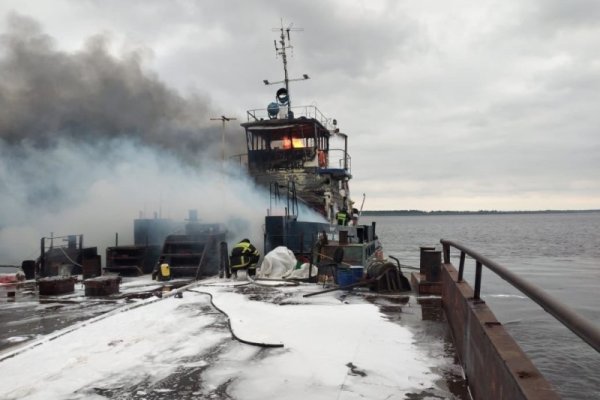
x=558 y=252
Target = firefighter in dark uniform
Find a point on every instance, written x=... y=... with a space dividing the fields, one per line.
x=244 y=256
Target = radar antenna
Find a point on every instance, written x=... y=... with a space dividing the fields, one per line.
x=280 y=50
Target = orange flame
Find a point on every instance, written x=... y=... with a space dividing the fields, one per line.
x=296 y=143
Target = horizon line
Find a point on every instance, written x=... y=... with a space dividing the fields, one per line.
x=547 y=211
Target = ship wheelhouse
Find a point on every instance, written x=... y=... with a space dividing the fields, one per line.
x=296 y=142
x=288 y=144
x=300 y=149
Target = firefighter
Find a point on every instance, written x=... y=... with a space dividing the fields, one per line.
x=161 y=260
x=162 y=270
x=342 y=217
x=244 y=256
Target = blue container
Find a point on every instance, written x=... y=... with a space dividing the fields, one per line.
x=345 y=276
x=358 y=271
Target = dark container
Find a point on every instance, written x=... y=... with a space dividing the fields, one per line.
x=53 y=286
x=422 y=260
x=102 y=286
x=433 y=265
x=28 y=267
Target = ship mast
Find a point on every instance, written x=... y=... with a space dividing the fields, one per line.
x=280 y=50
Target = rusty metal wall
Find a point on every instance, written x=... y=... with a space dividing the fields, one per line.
x=495 y=365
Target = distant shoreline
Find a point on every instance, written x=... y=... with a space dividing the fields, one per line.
x=480 y=212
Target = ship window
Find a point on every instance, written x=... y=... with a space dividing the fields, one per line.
x=256 y=142
x=297 y=143
x=261 y=143
x=322 y=143
x=292 y=143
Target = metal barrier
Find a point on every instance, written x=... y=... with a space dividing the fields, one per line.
x=587 y=331
x=299 y=111
x=340 y=159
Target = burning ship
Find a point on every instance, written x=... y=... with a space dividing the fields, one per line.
x=290 y=149
x=301 y=157
x=290 y=152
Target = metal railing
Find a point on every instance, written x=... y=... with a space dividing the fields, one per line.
x=299 y=111
x=587 y=331
x=339 y=159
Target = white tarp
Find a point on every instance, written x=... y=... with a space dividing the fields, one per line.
x=277 y=263
x=280 y=263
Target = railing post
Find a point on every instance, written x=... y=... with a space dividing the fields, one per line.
x=461 y=266
x=477 y=280
x=446 y=253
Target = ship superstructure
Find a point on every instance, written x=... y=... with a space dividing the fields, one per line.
x=292 y=149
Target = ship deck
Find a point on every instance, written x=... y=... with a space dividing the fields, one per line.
x=341 y=344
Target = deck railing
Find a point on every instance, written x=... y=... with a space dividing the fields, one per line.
x=587 y=331
x=340 y=159
x=299 y=111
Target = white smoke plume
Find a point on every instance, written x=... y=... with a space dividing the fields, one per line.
x=89 y=139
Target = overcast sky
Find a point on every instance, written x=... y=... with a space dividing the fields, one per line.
x=449 y=105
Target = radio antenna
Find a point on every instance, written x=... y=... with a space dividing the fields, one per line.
x=280 y=50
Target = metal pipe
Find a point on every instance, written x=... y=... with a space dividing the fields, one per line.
x=588 y=332
x=345 y=153
x=42 y=266
x=310 y=260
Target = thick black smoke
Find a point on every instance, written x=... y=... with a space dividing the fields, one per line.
x=89 y=141
x=90 y=95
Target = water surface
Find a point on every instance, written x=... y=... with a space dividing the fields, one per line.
x=558 y=252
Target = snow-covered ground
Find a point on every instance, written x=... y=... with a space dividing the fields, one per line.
x=334 y=347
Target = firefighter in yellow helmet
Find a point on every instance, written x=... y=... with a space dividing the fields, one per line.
x=244 y=256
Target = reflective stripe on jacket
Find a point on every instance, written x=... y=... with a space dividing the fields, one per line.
x=243 y=255
x=342 y=218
